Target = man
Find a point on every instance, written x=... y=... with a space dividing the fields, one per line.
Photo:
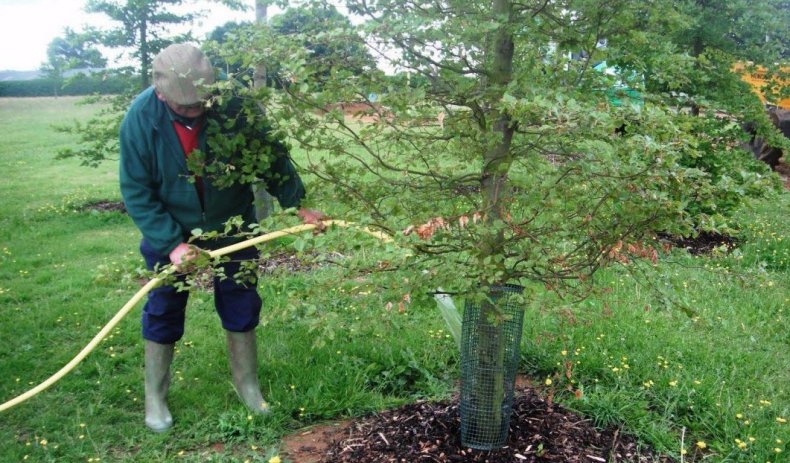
x=163 y=125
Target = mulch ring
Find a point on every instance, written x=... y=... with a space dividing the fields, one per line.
x=105 y=206
x=703 y=243
x=540 y=431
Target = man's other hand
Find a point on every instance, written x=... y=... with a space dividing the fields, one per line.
x=310 y=216
x=183 y=253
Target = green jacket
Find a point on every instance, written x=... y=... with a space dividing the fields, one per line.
x=155 y=184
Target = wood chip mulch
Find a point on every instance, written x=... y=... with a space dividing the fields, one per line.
x=540 y=431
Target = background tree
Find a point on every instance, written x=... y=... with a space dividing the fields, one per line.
x=700 y=44
x=220 y=36
x=70 y=51
x=310 y=25
x=707 y=39
x=144 y=28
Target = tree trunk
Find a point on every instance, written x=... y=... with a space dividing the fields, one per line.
x=264 y=203
x=489 y=382
x=697 y=48
x=145 y=56
x=259 y=75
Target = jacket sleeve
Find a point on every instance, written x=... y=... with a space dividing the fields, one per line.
x=139 y=186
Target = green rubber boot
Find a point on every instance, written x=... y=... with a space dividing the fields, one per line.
x=243 y=354
x=158 y=358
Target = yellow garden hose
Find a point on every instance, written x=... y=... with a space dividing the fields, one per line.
x=156 y=281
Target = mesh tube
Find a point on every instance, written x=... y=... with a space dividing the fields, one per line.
x=490 y=341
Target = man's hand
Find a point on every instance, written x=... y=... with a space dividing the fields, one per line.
x=312 y=217
x=183 y=253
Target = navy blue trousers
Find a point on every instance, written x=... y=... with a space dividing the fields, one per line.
x=238 y=305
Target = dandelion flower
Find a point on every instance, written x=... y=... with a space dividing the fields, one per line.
x=275 y=459
x=701 y=445
x=781 y=420
x=548 y=381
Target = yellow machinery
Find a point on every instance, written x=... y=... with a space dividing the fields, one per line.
x=755 y=76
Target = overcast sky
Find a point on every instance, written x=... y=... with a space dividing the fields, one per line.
x=27 y=27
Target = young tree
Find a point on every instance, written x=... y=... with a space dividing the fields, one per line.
x=504 y=163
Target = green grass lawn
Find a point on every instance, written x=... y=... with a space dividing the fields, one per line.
x=716 y=383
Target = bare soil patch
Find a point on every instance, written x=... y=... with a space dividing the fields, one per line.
x=703 y=243
x=311 y=445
